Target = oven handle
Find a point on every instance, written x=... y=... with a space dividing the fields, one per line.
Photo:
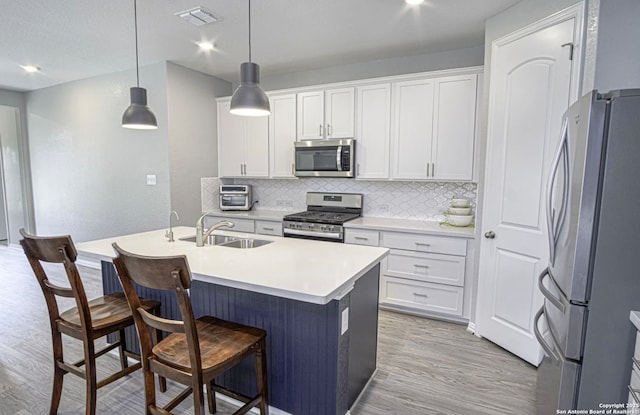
x=333 y=235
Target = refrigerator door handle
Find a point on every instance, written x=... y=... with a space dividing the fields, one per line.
x=563 y=152
x=548 y=294
x=547 y=349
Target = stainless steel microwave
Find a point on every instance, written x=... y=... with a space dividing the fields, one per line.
x=236 y=197
x=325 y=158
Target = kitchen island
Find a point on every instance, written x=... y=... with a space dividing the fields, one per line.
x=316 y=300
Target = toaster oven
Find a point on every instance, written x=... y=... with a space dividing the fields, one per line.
x=236 y=197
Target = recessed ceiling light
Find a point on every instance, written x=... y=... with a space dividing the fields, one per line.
x=206 y=45
x=414 y=1
x=30 y=68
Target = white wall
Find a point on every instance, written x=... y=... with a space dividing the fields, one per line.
x=617 y=56
x=88 y=172
x=458 y=58
x=193 y=150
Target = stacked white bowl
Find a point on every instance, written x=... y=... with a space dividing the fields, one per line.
x=459 y=213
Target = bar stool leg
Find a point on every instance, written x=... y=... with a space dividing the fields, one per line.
x=211 y=398
x=90 y=370
x=261 y=377
x=124 y=363
x=58 y=373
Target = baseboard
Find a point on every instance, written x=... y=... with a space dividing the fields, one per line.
x=471 y=327
x=366 y=385
x=237 y=403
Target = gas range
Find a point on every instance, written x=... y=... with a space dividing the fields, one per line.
x=324 y=217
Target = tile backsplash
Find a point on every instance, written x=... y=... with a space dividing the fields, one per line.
x=402 y=200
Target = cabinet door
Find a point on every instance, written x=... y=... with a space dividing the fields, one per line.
x=311 y=115
x=230 y=142
x=256 y=146
x=413 y=129
x=282 y=135
x=454 y=125
x=373 y=131
x=339 y=112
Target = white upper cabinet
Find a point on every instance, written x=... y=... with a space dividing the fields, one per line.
x=326 y=114
x=243 y=144
x=454 y=125
x=434 y=128
x=282 y=135
x=373 y=130
x=413 y=129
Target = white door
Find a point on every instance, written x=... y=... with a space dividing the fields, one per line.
x=311 y=115
x=230 y=142
x=339 y=113
x=373 y=131
x=256 y=146
x=413 y=129
x=454 y=127
x=282 y=135
x=530 y=88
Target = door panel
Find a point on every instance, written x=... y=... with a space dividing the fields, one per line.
x=530 y=84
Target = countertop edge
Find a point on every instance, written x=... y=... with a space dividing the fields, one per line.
x=410 y=226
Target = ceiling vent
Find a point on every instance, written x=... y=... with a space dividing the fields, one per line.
x=199 y=16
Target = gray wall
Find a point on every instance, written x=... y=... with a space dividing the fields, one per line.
x=193 y=150
x=89 y=173
x=457 y=58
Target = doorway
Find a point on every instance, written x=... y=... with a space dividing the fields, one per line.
x=14 y=202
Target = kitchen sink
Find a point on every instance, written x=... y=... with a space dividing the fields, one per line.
x=246 y=243
x=211 y=239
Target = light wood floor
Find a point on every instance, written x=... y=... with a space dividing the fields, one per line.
x=425 y=367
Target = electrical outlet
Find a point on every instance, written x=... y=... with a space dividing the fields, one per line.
x=345 y=321
x=280 y=203
x=383 y=208
x=288 y=203
x=151 y=180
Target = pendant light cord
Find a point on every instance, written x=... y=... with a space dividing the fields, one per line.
x=249 y=30
x=135 y=23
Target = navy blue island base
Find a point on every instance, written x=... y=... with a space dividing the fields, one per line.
x=313 y=367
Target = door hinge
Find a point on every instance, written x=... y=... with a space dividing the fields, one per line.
x=571 y=46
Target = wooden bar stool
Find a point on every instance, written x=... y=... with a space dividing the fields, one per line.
x=196 y=351
x=87 y=321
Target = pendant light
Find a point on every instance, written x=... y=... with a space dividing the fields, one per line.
x=138 y=115
x=249 y=99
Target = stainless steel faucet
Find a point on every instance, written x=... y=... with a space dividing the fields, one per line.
x=169 y=234
x=201 y=234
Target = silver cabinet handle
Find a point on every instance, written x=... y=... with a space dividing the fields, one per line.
x=360 y=238
x=634 y=394
x=268 y=229
x=293 y=169
x=433 y=169
x=428 y=169
x=241 y=170
x=547 y=294
x=320 y=130
x=547 y=349
x=421 y=295
x=421 y=266
x=419 y=244
x=328 y=130
x=357 y=169
x=490 y=235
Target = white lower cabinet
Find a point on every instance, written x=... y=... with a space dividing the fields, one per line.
x=423 y=274
x=265 y=227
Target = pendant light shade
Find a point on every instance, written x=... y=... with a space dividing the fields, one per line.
x=249 y=99
x=138 y=115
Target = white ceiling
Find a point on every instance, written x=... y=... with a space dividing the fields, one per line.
x=75 y=39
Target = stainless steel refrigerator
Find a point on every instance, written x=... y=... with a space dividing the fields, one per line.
x=593 y=277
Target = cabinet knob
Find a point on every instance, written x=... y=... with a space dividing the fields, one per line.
x=490 y=235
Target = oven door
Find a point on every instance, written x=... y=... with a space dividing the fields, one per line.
x=234 y=202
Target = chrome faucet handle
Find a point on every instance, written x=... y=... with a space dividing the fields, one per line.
x=169 y=233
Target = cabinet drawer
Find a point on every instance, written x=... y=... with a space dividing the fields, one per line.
x=269 y=228
x=240 y=225
x=444 y=269
x=420 y=295
x=361 y=237
x=424 y=243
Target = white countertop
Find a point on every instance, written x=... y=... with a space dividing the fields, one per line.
x=634 y=316
x=299 y=269
x=404 y=225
